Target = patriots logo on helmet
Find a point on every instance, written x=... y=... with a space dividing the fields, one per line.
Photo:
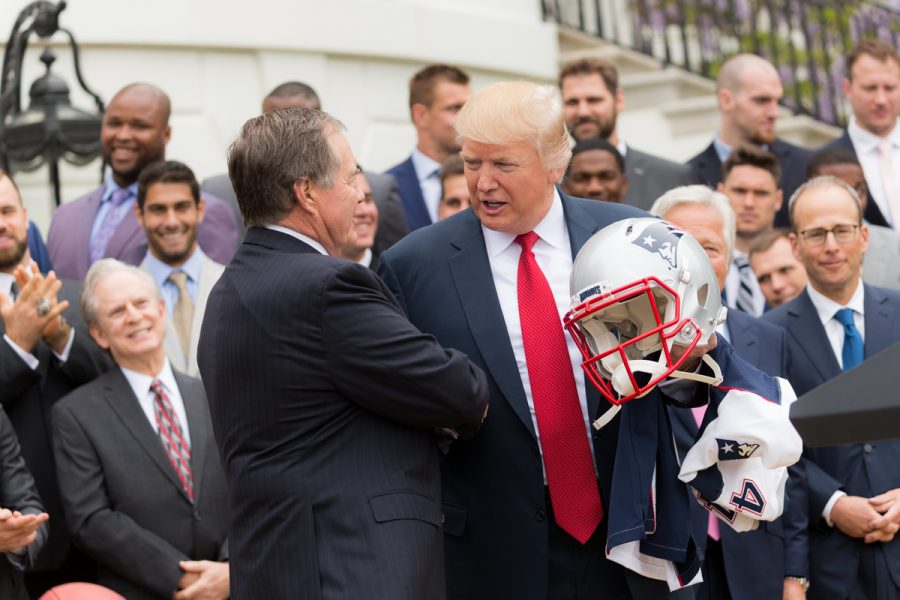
x=662 y=239
x=733 y=450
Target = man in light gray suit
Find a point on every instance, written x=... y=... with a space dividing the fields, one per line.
x=140 y=479
x=169 y=209
x=593 y=100
x=881 y=265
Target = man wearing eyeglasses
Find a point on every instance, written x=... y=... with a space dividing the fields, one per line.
x=839 y=544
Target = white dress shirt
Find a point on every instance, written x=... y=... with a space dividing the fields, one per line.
x=553 y=253
x=140 y=384
x=865 y=143
x=826 y=308
x=428 y=172
x=303 y=238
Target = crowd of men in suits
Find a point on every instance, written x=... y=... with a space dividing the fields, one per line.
x=110 y=470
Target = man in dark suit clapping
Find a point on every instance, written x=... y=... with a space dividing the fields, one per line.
x=324 y=397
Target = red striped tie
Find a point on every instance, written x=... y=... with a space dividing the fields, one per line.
x=564 y=443
x=172 y=437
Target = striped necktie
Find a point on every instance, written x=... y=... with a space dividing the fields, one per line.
x=744 y=301
x=172 y=437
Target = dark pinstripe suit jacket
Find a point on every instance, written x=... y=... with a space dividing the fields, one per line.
x=324 y=398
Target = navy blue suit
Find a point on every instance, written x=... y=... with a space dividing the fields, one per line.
x=410 y=194
x=793 y=160
x=494 y=504
x=873 y=214
x=859 y=469
x=753 y=560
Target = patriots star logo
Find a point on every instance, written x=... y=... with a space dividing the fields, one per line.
x=661 y=239
x=734 y=450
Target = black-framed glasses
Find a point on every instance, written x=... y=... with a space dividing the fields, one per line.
x=843 y=234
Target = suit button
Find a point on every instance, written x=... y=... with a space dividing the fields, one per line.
x=196 y=515
x=540 y=515
x=868 y=448
x=443 y=518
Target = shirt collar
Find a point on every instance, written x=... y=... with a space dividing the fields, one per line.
x=826 y=307
x=723 y=150
x=622 y=147
x=6 y=281
x=866 y=141
x=551 y=229
x=425 y=165
x=161 y=271
x=303 y=238
x=140 y=382
x=110 y=186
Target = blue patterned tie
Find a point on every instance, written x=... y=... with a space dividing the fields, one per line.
x=852 y=354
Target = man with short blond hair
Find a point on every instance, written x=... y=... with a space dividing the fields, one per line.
x=593 y=100
x=509 y=530
x=436 y=95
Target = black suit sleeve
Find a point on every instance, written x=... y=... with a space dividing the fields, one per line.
x=110 y=536
x=86 y=361
x=17 y=488
x=381 y=361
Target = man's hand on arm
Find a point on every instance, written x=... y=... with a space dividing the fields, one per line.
x=885 y=526
x=203 y=580
x=17 y=531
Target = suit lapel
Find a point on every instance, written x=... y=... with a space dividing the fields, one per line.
x=411 y=196
x=637 y=180
x=471 y=269
x=742 y=338
x=120 y=397
x=879 y=318
x=582 y=225
x=807 y=330
x=198 y=425
x=127 y=230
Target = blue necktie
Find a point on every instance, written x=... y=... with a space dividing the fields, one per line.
x=852 y=354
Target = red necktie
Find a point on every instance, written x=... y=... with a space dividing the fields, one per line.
x=172 y=437
x=564 y=443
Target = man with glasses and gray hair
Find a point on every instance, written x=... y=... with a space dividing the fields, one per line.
x=839 y=544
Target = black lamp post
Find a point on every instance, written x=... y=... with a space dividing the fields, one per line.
x=51 y=128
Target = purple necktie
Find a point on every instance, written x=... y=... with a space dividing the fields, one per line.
x=110 y=222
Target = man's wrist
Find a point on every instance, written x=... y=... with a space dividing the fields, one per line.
x=802 y=581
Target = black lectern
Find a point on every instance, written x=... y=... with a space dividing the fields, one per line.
x=860 y=405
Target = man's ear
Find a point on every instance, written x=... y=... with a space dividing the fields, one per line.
x=98 y=337
x=419 y=113
x=306 y=194
x=201 y=209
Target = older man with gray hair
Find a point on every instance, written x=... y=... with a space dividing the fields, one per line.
x=139 y=475
x=736 y=565
x=526 y=502
x=324 y=397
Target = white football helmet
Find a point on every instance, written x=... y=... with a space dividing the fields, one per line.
x=639 y=287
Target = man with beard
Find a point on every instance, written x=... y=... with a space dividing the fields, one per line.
x=42 y=358
x=436 y=95
x=134 y=133
x=749 y=90
x=593 y=100
x=170 y=210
